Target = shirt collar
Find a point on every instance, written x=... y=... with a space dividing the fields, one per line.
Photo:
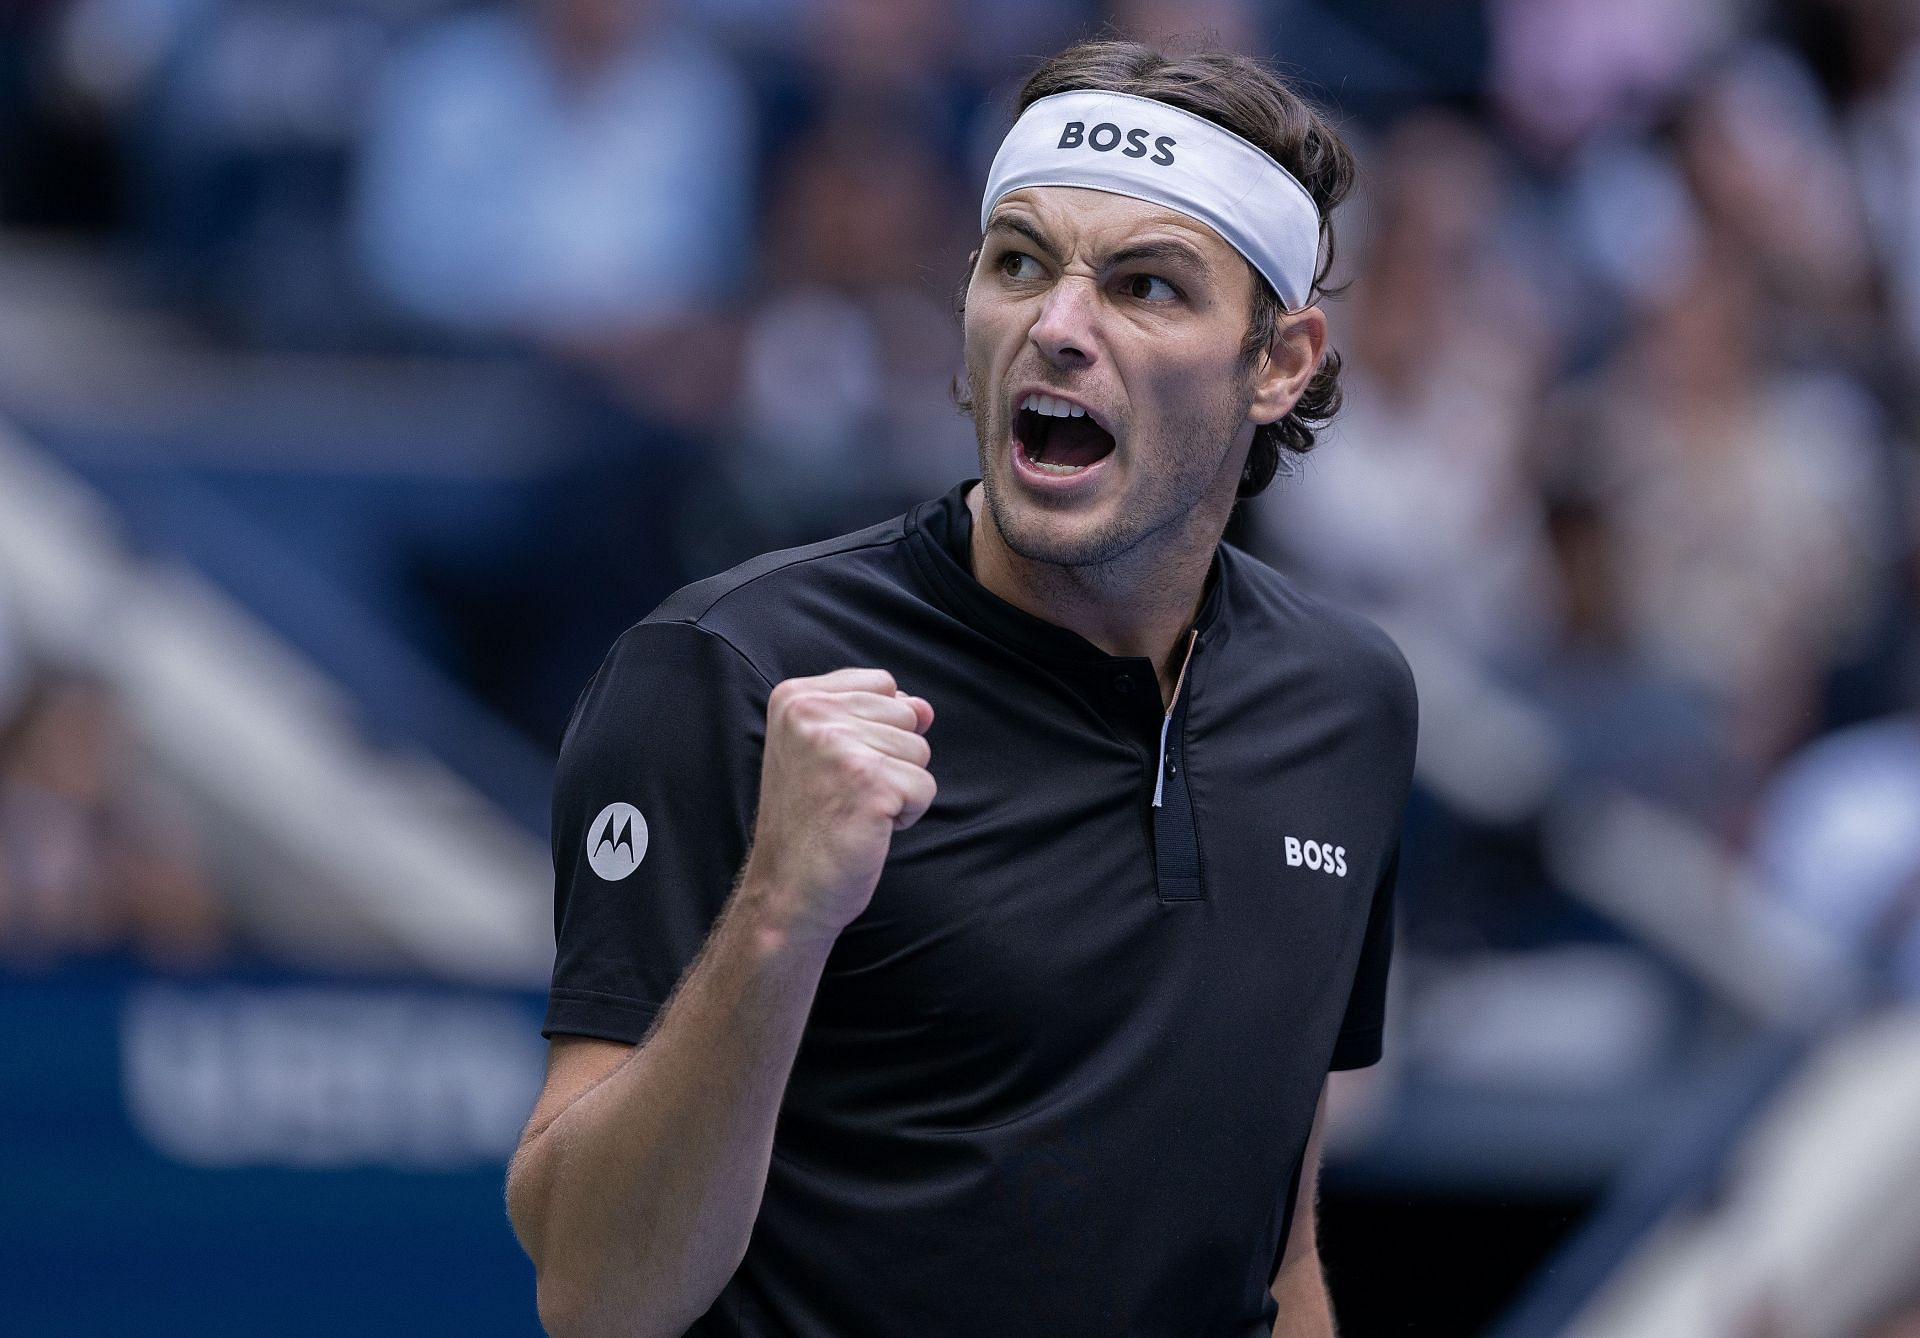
x=940 y=533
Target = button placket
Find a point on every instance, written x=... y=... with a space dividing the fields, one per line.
x=1176 y=839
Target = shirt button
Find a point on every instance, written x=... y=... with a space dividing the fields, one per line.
x=1121 y=683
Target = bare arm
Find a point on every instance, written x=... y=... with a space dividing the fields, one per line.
x=636 y=1185
x=641 y=1171
x=1298 y=1285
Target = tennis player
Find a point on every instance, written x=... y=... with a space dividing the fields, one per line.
x=957 y=920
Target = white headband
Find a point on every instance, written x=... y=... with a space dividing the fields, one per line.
x=1130 y=145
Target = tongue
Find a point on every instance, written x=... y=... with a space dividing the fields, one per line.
x=1073 y=441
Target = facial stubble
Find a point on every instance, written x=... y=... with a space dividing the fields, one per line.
x=1172 y=495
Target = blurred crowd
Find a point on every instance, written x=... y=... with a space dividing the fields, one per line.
x=1631 y=349
x=1631 y=338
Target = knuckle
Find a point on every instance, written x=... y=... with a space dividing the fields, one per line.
x=859 y=764
x=810 y=706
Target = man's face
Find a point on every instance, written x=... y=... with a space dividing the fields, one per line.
x=1135 y=314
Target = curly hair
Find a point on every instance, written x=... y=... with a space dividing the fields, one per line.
x=1248 y=98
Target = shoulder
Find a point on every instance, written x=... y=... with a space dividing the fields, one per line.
x=1335 y=642
x=694 y=675
x=768 y=606
x=660 y=681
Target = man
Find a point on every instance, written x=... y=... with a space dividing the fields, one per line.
x=1037 y=1051
x=576 y=171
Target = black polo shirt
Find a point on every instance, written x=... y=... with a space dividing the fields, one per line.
x=1058 y=1076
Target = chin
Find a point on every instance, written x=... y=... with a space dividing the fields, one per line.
x=1059 y=538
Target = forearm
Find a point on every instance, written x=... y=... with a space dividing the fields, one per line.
x=636 y=1203
x=1301 y=1290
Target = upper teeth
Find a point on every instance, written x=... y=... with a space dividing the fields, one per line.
x=1052 y=407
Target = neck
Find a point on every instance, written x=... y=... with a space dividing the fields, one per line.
x=1141 y=604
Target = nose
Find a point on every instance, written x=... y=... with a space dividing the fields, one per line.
x=1063 y=331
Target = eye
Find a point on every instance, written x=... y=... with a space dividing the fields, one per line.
x=1149 y=288
x=1019 y=265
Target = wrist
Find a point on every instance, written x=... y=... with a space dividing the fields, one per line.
x=776 y=925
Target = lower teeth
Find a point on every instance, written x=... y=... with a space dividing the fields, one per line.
x=1054 y=468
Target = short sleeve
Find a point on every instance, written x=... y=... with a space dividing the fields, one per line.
x=1360 y=1029
x=653 y=806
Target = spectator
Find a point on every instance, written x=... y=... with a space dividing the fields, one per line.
x=1742 y=498
x=95 y=856
x=1837 y=834
x=232 y=119
x=1870 y=56
x=1419 y=481
x=1620 y=719
x=1838 y=838
x=561 y=169
x=892 y=63
x=851 y=343
x=1564 y=71
x=1760 y=152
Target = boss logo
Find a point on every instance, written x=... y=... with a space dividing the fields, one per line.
x=1106 y=137
x=1317 y=855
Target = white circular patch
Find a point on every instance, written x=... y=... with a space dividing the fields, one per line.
x=617 y=841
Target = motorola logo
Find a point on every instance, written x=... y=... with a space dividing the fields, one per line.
x=617 y=841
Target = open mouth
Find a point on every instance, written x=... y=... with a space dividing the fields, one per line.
x=1059 y=437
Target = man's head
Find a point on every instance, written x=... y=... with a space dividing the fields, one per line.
x=1150 y=294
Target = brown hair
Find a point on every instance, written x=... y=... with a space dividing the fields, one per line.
x=1239 y=94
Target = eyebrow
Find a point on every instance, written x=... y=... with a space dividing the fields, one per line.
x=1164 y=251
x=1168 y=251
x=1020 y=227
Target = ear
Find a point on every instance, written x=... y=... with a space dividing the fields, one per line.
x=966 y=282
x=1291 y=359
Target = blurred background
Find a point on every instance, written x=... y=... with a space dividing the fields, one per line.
x=366 y=366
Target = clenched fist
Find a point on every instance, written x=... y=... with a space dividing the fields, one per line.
x=845 y=768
